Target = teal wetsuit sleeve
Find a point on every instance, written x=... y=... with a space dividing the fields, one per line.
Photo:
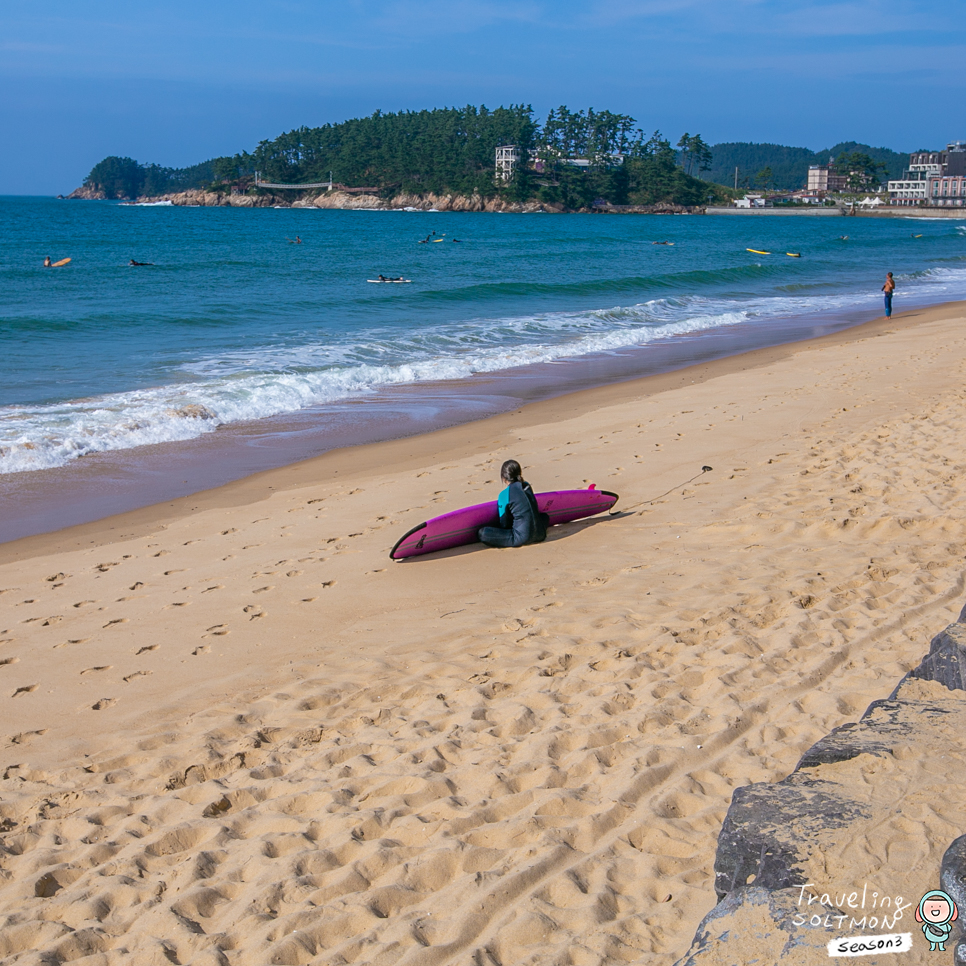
x=502 y=501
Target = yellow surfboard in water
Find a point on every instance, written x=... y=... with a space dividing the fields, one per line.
x=757 y=251
x=63 y=261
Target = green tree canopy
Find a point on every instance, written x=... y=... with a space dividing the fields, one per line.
x=452 y=150
x=862 y=173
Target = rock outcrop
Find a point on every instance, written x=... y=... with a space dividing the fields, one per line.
x=342 y=200
x=86 y=193
x=781 y=838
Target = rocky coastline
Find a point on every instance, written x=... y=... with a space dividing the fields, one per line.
x=342 y=200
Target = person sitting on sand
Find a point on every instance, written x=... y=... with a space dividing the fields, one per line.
x=47 y=262
x=521 y=522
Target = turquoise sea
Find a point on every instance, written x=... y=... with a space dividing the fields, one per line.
x=233 y=326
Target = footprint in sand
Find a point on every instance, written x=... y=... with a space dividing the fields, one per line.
x=26 y=689
x=117 y=620
x=105 y=567
x=253 y=611
x=136 y=674
x=102 y=667
x=76 y=640
x=219 y=630
x=201 y=649
x=147 y=647
x=25 y=737
x=261 y=590
x=55 y=577
x=103 y=704
x=137 y=585
x=215 y=587
x=9 y=660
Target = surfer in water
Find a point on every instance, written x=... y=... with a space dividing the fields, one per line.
x=47 y=262
x=521 y=522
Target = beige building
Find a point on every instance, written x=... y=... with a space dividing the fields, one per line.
x=822 y=178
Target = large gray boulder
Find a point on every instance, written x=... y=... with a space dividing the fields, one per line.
x=772 y=831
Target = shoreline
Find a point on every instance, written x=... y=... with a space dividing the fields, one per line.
x=369 y=455
x=449 y=202
x=141 y=476
x=735 y=301
x=474 y=754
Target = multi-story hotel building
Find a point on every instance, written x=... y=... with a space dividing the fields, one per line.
x=933 y=178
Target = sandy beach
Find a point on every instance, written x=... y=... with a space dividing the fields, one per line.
x=235 y=733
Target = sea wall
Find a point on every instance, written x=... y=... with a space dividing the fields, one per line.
x=871 y=783
x=897 y=212
x=821 y=212
x=815 y=212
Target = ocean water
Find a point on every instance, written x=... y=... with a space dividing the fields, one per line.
x=233 y=323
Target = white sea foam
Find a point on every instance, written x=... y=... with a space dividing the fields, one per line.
x=273 y=379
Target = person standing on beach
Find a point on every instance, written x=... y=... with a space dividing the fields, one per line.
x=889 y=288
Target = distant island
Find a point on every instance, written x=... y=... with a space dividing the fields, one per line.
x=473 y=158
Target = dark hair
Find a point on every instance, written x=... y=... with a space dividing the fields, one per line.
x=511 y=472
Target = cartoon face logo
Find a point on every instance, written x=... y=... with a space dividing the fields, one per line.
x=936 y=911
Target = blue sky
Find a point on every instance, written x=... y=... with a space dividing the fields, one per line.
x=178 y=82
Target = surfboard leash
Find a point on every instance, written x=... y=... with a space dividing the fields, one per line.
x=634 y=506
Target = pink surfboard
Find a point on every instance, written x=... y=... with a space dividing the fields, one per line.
x=460 y=527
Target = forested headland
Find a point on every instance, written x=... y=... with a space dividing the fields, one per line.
x=573 y=159
x=449 y=150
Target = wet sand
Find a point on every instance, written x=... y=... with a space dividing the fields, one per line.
x=108 y=483
x=235 y=732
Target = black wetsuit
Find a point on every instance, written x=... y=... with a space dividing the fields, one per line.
x=520 y=523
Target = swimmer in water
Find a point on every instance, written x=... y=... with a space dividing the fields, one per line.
x=47 y=262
